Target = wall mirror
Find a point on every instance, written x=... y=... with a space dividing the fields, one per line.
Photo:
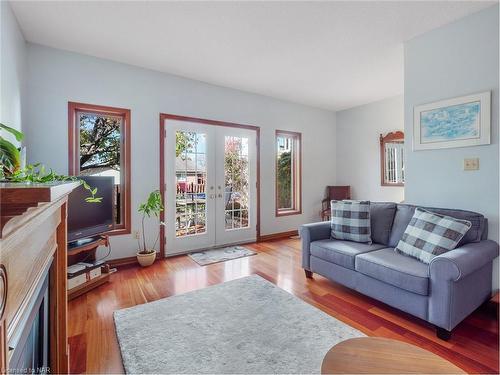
x=392 y=165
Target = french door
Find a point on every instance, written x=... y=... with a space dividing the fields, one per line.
x=210 y=196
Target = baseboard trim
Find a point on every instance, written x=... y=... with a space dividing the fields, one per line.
x=277 y=236
x=120 y=262
x=127 y=261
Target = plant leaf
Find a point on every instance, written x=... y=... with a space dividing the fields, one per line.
x=16 y=133
x=93 y=200
x=9 y=154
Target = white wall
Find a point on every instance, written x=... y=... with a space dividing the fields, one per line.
x=457 y=59
x=13 y=69
x=358 y=148
x=56 y=77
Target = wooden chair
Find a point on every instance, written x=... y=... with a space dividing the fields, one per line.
x=333 y=193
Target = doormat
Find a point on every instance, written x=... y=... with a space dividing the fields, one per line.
x=223 y=254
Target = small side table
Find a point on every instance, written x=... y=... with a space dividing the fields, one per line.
x=377 y=355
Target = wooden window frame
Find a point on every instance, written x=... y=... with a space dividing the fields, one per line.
x=74 y=147
x=297 y=180
x=397 y=136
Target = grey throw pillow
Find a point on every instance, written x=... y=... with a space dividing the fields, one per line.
x=350 y=220
x=429 y=234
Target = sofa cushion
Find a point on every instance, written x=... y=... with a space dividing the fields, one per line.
x=396 y=269
x=350 y=220
x=340 y=252
x=404 y=213
x=381 y=218
x=430 y=234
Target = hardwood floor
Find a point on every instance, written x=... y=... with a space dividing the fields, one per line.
x=94 y=349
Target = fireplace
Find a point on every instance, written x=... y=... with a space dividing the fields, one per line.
x=29 y=346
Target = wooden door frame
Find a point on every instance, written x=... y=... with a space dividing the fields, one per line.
x=162 y=137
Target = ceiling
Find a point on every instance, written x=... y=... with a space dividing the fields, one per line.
x=331 y=55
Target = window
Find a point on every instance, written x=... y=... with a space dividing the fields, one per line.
x=392 y=166
x=288 y=173
x=99 y=145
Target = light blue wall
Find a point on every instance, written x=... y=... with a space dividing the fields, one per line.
x=458 y=59
x=359 y=166
x=56 y=77
x=12 y=67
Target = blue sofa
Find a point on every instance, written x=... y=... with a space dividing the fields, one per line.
x=443 y=292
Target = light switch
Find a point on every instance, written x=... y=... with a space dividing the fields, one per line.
x=471 y=164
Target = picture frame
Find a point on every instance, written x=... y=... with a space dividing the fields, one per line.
x=459 y=122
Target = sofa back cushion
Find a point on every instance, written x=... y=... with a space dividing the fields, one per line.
x=382 y=217
x=404 y=213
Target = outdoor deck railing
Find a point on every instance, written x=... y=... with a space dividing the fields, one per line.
x=190 y=188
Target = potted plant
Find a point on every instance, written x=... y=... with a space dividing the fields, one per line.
x=151 y=207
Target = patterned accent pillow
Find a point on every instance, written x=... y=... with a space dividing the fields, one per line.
x=429 y=234
x=350 y=220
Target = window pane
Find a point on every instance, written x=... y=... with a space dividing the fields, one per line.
x=288 y=179
x=100 y=151
x=284 y=181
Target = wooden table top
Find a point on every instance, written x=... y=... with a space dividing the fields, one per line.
x=377 y=355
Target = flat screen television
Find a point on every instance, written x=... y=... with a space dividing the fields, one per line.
x=90 y=219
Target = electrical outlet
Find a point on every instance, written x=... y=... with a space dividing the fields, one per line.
x=136 y=234
x=471 y=164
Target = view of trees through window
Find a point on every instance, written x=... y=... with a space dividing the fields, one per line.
x=236 y=175
x=100 y=149
x=288 y=173
x=191 y=176
x=284 y=180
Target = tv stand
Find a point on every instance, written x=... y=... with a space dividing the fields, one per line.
x=84 y=250
x=83 y=242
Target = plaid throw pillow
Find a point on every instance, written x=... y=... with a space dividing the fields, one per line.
x=429 y=234
x=350 y=220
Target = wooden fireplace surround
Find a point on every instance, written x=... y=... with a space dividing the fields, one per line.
x=32 y=239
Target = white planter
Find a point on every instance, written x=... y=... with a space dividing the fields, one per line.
x=146 y=259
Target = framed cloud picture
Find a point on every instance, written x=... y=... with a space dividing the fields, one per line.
x=457 y=122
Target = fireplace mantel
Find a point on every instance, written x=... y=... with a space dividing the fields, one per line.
x=32 y=240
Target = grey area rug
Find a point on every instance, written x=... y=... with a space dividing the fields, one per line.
x=221 y=255
x=244 y=326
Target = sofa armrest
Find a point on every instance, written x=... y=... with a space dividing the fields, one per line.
x=309 y=233
x=462 y=261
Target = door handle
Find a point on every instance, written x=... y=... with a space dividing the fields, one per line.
x=219 y=195
x=211 y=196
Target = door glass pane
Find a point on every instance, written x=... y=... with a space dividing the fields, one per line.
x=100 y=150
x=191 y=175
x=236 y=182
